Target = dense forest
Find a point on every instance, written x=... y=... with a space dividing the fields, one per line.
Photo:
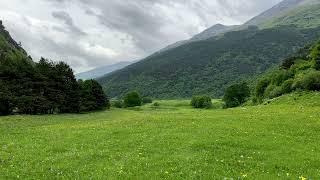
x=210 y=66
x=44 y=87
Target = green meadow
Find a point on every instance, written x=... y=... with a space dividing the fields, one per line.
x=276 y=140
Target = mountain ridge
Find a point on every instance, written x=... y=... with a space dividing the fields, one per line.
x=101 y=71
x=208 y=66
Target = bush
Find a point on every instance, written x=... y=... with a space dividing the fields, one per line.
x=280 y=76
x=287 y=86
x=288 y=62
x=156 y=104
x=273 y=91
x=261 y=87
x=201 y=102
x=117 y=104
x=309 y=81
x=132 y=99
x=146 y=100
x=236 y=95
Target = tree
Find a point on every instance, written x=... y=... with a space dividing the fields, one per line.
x=236 y=95
x=67 y=83
x=5 y=100
x=315 y=56
x=261 y=87
x=132 y=99
x=92 y=96
x=201 y=102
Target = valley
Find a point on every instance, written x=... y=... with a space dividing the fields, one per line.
x=172 y=141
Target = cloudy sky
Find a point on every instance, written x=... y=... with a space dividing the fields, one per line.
x=92 y=33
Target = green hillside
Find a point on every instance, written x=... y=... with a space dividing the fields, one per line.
x=303 y=17
x=9 y=48
x=208 y=67
x=300 y=72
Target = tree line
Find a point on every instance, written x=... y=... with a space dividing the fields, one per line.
x=45 y=87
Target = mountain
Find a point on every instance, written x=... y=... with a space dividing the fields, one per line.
x=213 y=31
x=9 y=48
x=208 y=66
x=280 y=9
x=306 y=15
x=98 y=72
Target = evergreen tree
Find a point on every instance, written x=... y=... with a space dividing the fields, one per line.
x=92 y=96
x=5 y=100
x=69 y=96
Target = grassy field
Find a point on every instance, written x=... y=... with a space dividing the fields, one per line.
x=275 y=141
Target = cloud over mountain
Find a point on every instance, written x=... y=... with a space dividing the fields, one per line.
x=91 y=33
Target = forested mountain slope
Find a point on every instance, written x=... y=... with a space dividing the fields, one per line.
x=9 y=47
x=209 y=66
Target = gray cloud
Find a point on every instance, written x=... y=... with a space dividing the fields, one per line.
x=67 y=19
x=91 y=33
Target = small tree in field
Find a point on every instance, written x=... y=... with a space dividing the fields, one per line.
x=201 y=102
x=132 y=99
x=236 y=95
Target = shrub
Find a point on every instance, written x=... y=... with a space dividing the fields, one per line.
x=236 y=95
x=201 y=102
x=156 y=104
x=309 y=81
x=261 y=87
x=287 y=86
x=280 y=76
x=274 y=91
x=132 y=99
x=146 y=100
x=315 y=56
x=117 y=104
x=288 y=62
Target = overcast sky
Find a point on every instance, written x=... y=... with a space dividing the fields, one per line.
x=91 y=33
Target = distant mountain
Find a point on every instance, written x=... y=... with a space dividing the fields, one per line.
x=98 y=72
x=208 y=66
x=281 y=8
x=305 y=15
x=212 y=31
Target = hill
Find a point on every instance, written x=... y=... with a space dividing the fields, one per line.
x=27 y=87
x=209 y=66
x=9 y=47
x=299 y=72
x=306 y=16
x=101 y=71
